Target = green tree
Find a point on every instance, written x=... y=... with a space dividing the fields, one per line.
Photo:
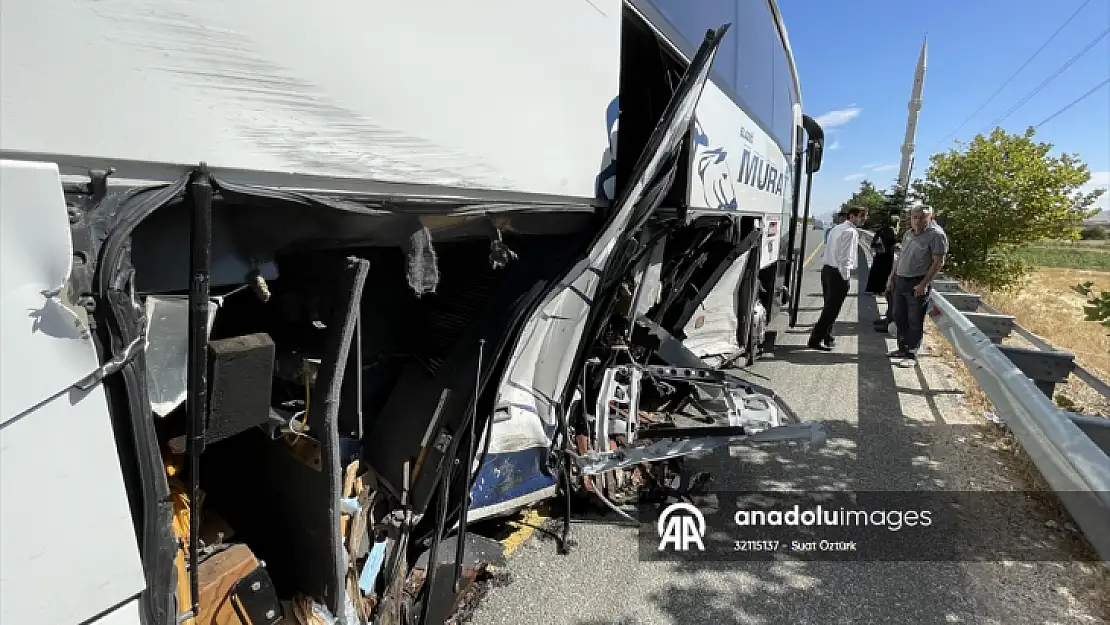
x=1093 y=233
x=867 y=197
x=896 y=201
x=1001 y=193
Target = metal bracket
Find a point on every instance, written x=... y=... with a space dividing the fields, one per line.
x=947 y=286
x=98 y=183
x=995 y=327
x=115 y=364
x=1046 y=369
x=686 y=374
x=255 y=600
x=963 y=302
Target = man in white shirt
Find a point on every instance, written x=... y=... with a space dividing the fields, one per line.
x=841 y=251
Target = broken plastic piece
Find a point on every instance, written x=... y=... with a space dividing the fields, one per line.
x=372 y=567
x=349 y=506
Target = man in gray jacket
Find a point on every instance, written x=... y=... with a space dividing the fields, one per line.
x=924 y=248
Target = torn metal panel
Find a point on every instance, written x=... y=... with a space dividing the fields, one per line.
x=596 y=463
x=648 y=277
x=37 y=257
x=167 y=348
x=743 y=414
x=713 y=329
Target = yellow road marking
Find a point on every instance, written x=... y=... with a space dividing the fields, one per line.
x=814 y=254
x=526 y=526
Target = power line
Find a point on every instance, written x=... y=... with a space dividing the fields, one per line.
x=1044 y=84
x=1074 y=102
x=1014 y=75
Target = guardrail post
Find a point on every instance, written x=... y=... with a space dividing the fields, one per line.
x=1046 y=369
x=947 y=286
x=996 y=327
x=963 y=302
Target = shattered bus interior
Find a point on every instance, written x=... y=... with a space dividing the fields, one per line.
x=304 y=385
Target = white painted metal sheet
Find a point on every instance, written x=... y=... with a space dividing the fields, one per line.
x=67 y=541
x=487 y=94
x=739 y=167
x=127 y=614
x=711 y=331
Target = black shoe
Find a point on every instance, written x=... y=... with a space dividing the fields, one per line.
x=829 y=342
x=900 y=353
x=812 y=344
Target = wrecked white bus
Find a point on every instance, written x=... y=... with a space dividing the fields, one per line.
x=280 y=284
x=733 y=265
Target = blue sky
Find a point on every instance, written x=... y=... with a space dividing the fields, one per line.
x=856 y=60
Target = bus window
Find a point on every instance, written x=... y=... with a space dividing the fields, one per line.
x=755 y=77
x=692 y=19
x=782 y=125
x=751 y=65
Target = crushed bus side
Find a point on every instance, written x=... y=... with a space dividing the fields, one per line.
x=286 y=397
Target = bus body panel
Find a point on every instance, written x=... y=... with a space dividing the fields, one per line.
x=126 y=614
x=491 y=95
x=737 y=167
x=67 y=540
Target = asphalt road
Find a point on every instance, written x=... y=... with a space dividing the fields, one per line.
x=889 y=429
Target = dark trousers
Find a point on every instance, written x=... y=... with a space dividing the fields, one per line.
x=909 y=312
x=834 y=288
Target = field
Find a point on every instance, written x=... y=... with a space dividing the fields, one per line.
x=1049 y=308
x=1089 y=255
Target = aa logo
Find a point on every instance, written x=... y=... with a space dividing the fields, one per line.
x=681 y=525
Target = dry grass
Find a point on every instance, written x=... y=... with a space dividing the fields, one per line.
x=1048 y=307
x=974 y=397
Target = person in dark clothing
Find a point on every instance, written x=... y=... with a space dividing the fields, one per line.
x=882 y=258
x=882 y=249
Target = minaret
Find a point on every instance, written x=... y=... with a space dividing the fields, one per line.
x=911 y=122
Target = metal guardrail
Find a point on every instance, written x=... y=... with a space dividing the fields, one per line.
x=1071 y=450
